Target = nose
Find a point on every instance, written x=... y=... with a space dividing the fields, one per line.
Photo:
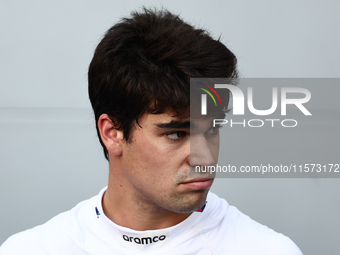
x=202 y=151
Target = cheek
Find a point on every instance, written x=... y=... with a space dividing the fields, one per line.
x=149 y=165
x=156 y=152
x=214 y=147
x=149 y=153
x=149 y=158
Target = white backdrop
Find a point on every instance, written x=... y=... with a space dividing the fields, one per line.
x=49 y=155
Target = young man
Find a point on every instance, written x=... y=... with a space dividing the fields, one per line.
x=140 y=93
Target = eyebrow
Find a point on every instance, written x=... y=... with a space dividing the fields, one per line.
x=176 y=124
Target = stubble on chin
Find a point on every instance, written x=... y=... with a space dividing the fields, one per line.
x=188 y=202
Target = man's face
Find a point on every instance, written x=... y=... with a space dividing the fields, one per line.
x=158 y=160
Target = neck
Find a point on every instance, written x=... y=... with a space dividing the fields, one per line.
x=129 y=209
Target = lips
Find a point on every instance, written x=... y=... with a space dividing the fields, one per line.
x=198 y=183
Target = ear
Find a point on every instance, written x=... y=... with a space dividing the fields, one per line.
x=111 y=137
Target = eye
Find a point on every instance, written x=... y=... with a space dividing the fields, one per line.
x=176 y=135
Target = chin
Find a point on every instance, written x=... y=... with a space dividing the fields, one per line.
x=190 y=202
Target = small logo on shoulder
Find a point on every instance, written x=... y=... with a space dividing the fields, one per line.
x=203 y=207
x=97 y=212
